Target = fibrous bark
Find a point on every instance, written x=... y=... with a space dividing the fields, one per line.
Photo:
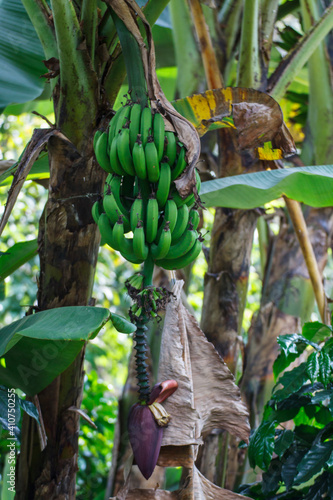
x=68 y=248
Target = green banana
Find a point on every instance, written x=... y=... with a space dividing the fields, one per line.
x=189 y=201
x=158 y=132
x=197 y=175
x=135 y=120
x=171 y=213
x=101 y=152
x=124 y=244
x=146 y=125
x=106 y=231
x=163 y=186
x=97 y=135
x=96 y=210
x=137 y=211
x=130 y=257
x=171 y=148
x=115 y=188
x=194 y=218
x=182 y=220
x=183 y=245
x=113 y=211
x=151 y=219
x=153 y=168
x=139 y=160
x=180 y=165
x=160 y=250
x=124 y=152
x=136 y=187
x=114 y=160
x=140 y=246
x=170 y=218
x=185 y=260
x=107 y=184
x=120 y=119
x=144 y=188
x=136 y=280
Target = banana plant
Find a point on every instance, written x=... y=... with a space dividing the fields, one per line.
x=83 y=106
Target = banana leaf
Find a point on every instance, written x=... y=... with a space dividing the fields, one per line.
x=311 y=185
x=21 y=55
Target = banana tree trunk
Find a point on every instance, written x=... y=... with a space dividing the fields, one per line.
x=287 y=302
x=68 y=248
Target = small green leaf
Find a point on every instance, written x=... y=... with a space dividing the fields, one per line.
x=121 y=324
x=329 y=462
x=312 y=368
x=320 y=396
x=283 y=442
x=324 y=368
x=292 y=381
x=318 y=489
x=16 y=256
x=289 y=467
x=261 y=445
x=313 y=461
x=272 y=478
x=29 y=408
x=292 y=346
x=315 y=331
x=328 y=347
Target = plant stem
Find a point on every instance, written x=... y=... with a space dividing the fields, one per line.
x=77 y=104
x=115 y=76
x=39 y=16
x=89 y=21
x=212 y=70
x=249 y=70
x=133 y=62
x=140 y=360
x=302 y=234
x=296 y=58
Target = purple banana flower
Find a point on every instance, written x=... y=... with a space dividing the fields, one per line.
x=145 y=427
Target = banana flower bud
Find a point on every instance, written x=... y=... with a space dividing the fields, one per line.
x=145 y=427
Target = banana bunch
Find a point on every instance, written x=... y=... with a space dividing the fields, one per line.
x=142 y=214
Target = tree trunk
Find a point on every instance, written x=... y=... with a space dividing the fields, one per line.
x=287 y=298
x=226 y=280
x=68 y=248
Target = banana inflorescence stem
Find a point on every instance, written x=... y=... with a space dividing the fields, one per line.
x=140 y=361
x=134 y=67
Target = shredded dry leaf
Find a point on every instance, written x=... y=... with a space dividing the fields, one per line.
x=207 y=397
x=36 y=144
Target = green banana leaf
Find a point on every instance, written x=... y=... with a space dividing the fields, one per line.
x=21 y=56
x=37 y=348
x=310 y=185
x=39 y=170
x=16 y=256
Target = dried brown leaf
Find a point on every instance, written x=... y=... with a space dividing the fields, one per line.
x=199 y=488
x=36 y=144
x=207 y=397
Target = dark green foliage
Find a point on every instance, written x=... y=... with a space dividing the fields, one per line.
x=96 y=444
x=298 y=462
